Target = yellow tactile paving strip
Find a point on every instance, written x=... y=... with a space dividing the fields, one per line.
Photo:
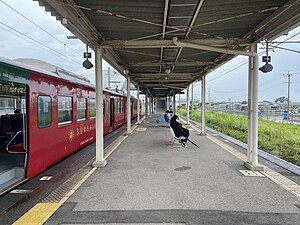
x=284 y=182
x=38 y=214
x=41 y=212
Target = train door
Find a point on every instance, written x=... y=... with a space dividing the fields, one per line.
x=112 y=113
x=13 y=134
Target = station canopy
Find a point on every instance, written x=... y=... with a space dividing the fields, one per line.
x=139 y=35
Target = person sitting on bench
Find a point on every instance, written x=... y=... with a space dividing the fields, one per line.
x=166 y=116
x=179 y=130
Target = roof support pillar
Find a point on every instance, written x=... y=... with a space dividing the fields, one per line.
x=252 y=151
x=188 y=105
x=179 y=103
x=192 y=96
x=174 y=102
x=203 y=87
x=166 y=103
x=100 y=162
x=128 y=107
x=152 y=105
x=250 y=97
x=146 y=106
x=138 y=104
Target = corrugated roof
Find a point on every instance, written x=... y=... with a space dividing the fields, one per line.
x=137 y=35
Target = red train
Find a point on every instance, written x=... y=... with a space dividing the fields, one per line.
x=46 y=116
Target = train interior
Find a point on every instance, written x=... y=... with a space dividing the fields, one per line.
x=13 y=134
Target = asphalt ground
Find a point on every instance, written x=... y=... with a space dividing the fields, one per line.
x=14 y=205
x=147 y=180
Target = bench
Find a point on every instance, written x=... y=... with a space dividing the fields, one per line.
x=174 y=138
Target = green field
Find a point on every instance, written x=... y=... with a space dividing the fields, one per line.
x=280 y=139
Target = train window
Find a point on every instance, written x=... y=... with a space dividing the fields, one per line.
x=81 y=108
x=64 y=109
x=92 y=108
x=107 y=107
x=7 y=105
x=119 y=106
x=122 y=106
x=44 y=111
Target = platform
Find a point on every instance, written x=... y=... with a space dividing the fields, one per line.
x=147 y=180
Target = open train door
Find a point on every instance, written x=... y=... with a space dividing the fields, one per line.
x=112 y=113
x=13 y=134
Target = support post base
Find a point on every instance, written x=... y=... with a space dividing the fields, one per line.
x=257 y=167
x=99 y=164
x=203 y=134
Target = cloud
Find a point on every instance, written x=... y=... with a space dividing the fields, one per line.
x=17 y=46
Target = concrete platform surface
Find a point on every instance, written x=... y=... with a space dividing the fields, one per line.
x=149 y=181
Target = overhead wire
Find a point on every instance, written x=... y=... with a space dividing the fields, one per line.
x=243 y=63
x=40 y=43
x=245 y=95
x=287 y=49
x=39 y=27
x=28 y=40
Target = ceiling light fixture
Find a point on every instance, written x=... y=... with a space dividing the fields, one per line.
x=168 y=71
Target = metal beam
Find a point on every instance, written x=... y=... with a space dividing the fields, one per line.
x=163 y=74
x=179 y=86
x=155 y=78
x=169 y=43
x=189 y=29
x=268 y=29
x=188 y=44
x=82 y=27
x=164 y=31
x=192 y=63
x=155 y=81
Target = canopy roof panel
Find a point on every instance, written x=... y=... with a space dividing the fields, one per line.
x=137 y=35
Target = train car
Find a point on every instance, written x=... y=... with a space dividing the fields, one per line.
x=46 y=115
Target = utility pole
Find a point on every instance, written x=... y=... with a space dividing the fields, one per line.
x=289 y=94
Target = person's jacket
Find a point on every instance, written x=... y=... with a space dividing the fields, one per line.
x=166 y=116
x=177 y=128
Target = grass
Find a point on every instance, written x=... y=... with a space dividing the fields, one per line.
x=280 y=139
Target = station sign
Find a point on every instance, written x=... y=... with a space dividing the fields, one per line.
x=266 y=58
x=87 y=55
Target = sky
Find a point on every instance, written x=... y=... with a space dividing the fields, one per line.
x=227 y=83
